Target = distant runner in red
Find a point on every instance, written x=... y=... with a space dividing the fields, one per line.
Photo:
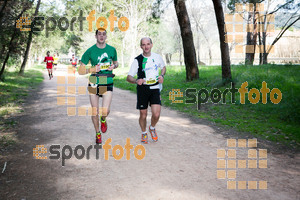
x=74 y=63
x=49 y=60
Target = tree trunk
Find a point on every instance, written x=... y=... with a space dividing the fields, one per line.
x=265 y=58
x=226 y=71
x=264 y=50
x=189 y=52
x=260 y=43
x=8 y=52
x=2 y=52
x=2 y=10
x=167 y=59
x=262 y=36
x=4 y=64
x=21 y=72
x=10 y=46
x=251 y=37
x=1 y=16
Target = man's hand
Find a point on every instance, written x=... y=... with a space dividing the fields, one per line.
x=140 y=81
x=111 y=67
x=82 y=70
x=160 y=79
x=97 y=68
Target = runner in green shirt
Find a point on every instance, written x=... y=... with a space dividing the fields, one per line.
x=103 y=58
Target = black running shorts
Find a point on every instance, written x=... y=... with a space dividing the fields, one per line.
x=147 y=96
x=99 y=89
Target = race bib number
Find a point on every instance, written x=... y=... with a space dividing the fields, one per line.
x=150 y=81
x=104 y=66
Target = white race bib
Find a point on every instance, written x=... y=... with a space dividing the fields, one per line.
x=104 y=66
x=150 y=81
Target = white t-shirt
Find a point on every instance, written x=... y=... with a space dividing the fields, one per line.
x=152 y=64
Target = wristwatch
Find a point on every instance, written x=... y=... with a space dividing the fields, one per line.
x=163 y=76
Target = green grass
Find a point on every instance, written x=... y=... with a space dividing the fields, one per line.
x=15 y=88
x=274 y=122
x=7 y=141
x=13 y=91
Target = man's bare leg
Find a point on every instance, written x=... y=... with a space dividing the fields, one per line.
x=94 y=99
x=155 y=109
x=49 y=74
x=142 y=119
x=106 y=102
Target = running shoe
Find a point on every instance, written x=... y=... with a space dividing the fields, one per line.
x=153 y=134
x=103 y=125
x=98 y=138
x=144 y=138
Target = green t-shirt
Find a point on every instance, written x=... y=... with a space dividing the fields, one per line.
x=102 y=57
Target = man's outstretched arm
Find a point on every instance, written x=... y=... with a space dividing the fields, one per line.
x=130 y=79
x=161 y=78
x=163 y=71
x=82 y=70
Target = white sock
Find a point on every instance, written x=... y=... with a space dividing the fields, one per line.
x=144 y=132
x=151 y=127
